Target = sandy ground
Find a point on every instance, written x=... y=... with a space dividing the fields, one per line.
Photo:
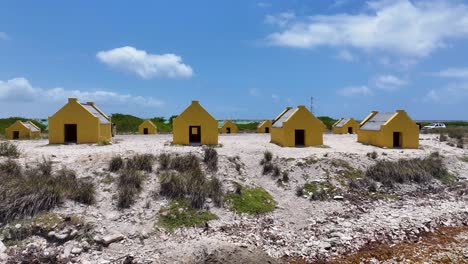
x=305 y=227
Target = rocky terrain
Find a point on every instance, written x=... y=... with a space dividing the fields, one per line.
x=330 y=222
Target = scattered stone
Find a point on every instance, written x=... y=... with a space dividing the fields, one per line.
x=109 y=239
x=2 y=247
x=76 y=250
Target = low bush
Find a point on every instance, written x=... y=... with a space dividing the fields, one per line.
x=442 y=137
x=8 y=149
x=363 y=184
x=211 y=158
x=129 y=185
x=372 y=155
x=317 y=190
x=10 y=167
x=116 y=164
x=185 y=163
x=408 y=170
x=252 y=201
x=181 y=214
x=460 y=143
x=33 y=191
x=268 y=166
x=164 y=161
x=141 y=162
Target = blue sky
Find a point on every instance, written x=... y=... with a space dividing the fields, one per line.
x=240 y=59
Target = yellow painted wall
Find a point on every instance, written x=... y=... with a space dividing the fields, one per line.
x=152 y=129
x=264 y=125
x=195 y=115
x=344 y=129
x=399 y=122
x=228 y=124
x=89 y=129
x=302 y=118
x=24 y=131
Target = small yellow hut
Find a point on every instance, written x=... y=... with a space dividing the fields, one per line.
x=389 y=130
x=228 y=127
x=79 y=123
x=147 y=128
x=23 y=130
x=195 y=126
x=345 y=126
x=264 y=126
x=297 y=127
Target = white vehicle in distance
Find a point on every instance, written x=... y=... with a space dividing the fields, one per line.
x=434 y=126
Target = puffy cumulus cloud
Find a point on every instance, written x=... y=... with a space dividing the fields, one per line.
x=389 y=82
x=145 y=65
x=19 y=91
x=452 y=93
x=355 y=91
x=461 y=73
x=402 y=27
x=281 y=19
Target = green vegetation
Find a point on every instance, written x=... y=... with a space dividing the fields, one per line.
x=10 y=150
x=129 y=185
x=6 y=122
x=317 y=190
x=37 y=189
x=211 y=158
x=463 y=158
x=142 y=162
x=129 y=123
x=181 y=214
x=328 y=121
x=249 y=127
x=251 y=201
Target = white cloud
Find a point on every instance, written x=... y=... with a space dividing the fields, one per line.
x=345 y=55
x=263 y=4
x=281 y=19
x=4 y=36
x=144 y=64
x=20 y=90
x=461 y=73
x=450 y=94
x=402 y=27
x=389 y=82
x=355 y=91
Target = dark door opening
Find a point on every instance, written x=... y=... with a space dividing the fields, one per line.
x=15 y=134
x=71 y=133
x=396 y=139
x=228 y=130
x=195 y=134
x=145 y=131
x=267 y=130
x=299 y=137
x=350 y=130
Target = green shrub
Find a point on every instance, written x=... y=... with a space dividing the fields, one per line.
x=11 y=167
x=318 y=190
x=411 y=170
x=129 y=185
x=252 y=201
x=10 y=150
x=116 y=164
x=164 y=161
x=181 y=214
x=211 y=158
x=141 y=162
x=215 y=190
x=372 y=155
x=185 y=163
x=173 y=185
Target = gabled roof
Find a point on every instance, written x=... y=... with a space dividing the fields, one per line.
x=149 y=122
x=225 y=122
x=281 y=114
x=283 y=117
x=262 y=123
x=31 y=126
x=342 y=122
x=96 y=112
x=375 y=122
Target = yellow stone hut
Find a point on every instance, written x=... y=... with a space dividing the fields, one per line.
x=147 y=128
x=264 y=126
x=195 y=126
x=345 y=126
x=23 y=130
x=79 y=123
x=389 y=130
x=297 y=127
x=228 y=127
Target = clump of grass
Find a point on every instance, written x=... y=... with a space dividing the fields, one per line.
x=408 y=170
x=363 y=184
x=37 y=190
x=253 y=201
x=45 y=167
x=129 y=185
x=116 y=164
x=268 y=166
x=463 y=158
x=10 y=167
x=211 y=158
x=237 y=163
x=10 y=150
x=141 y=162
x=185 y=163
x=372 y=155
x=442 y=137
x=317 y=190
x=460 y=143
x=164 y=161
x=181 y=214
